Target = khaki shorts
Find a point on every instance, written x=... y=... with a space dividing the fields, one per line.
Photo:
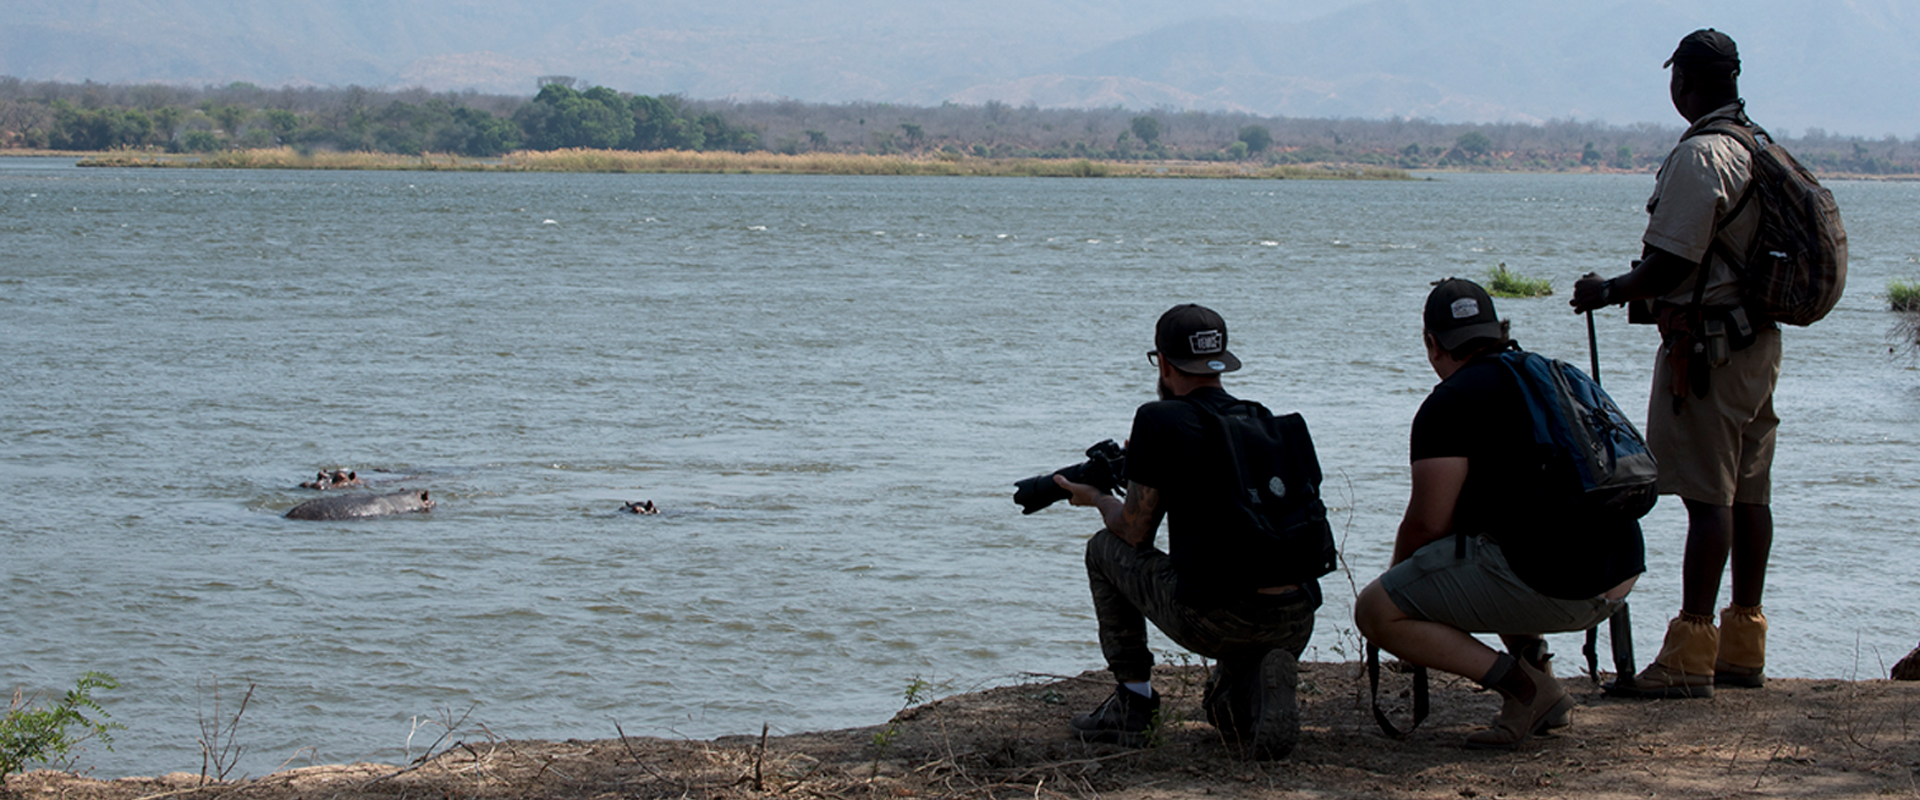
x=1718 y=449
x=1480 y=593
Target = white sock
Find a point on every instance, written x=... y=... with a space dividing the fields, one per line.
x=1142 y=688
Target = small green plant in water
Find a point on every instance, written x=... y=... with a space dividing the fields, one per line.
x=1502 y=282
x=42 y=735
x=1903 y=295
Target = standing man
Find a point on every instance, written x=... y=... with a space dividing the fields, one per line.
x=1486 y=546
x=1710 y=419
x=1210 y=593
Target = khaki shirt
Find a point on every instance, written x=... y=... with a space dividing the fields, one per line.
x=1700 y=182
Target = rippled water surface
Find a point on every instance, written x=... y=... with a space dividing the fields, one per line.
x=828 y=383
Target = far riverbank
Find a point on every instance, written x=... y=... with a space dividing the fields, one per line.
x=690 y=162
x=720 y=163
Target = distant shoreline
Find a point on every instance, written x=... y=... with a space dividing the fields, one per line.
x=683 y=161
x=766 y=163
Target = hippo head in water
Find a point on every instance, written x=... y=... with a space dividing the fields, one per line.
x=640 y=507
x=334 y=479
x=355 y=505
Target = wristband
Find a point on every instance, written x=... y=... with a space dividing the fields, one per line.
x=1606 y=292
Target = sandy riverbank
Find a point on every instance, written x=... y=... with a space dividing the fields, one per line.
x=1796 y=738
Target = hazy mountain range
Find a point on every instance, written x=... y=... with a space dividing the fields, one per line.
x=1846 y=66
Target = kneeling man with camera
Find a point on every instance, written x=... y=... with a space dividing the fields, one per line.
x=1487 y=545
x=1247 y=540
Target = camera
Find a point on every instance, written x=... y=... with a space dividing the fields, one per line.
x=1105 y=469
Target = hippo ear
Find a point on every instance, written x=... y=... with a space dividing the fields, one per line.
x=423 y=494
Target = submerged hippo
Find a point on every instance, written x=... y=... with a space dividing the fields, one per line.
x=334 y=479
x=640 y=507
x=362 y=504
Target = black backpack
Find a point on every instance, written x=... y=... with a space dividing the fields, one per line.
x=1273 y=479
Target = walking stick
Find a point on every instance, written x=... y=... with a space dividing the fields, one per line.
x=1620 y=625
x=1593 y=347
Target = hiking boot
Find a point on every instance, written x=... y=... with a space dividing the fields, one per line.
x=1684 y=667
x=1276 y=710
x=1225 y=699
x=1536 y=656
x=1521 y=719
x=1125 y=718
x=1743 y=648
x=1253 y=703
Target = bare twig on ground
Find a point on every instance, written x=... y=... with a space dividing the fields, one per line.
x=1072 y=678
x=686 y=787
x=451 y=726
x=759 y=759
x=636 y=756
x=1078 y=762
x=1775 y=756
x=220 y=747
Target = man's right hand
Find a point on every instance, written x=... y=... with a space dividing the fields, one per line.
x=1589 y=293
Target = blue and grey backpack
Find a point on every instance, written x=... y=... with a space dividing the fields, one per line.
x=1599 y=456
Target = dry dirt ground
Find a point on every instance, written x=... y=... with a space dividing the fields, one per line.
x=1795 y=738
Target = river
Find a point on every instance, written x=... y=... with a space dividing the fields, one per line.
x=829 y=385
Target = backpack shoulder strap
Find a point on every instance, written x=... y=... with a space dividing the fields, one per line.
x=1744 y=132
x=1300 y=460
x=1748 y=136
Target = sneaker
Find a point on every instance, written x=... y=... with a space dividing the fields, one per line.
x=1125 y=718
x=1275 y=710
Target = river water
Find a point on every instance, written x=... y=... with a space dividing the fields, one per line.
x=828 y=383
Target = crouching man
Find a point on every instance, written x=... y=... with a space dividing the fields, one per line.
x=1218 y=590
x=1482 y=548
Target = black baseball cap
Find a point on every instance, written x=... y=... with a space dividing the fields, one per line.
x=1459 y=311
x=1705 y=47
x=1193 y=339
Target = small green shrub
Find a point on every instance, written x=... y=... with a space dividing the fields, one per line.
x=1903 y=295
x=1503 y=283
x=200 y=142
x=883 y=740
x=40 y=735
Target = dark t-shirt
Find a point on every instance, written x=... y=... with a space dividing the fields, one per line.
x=1168 y=451
x=1478 y=413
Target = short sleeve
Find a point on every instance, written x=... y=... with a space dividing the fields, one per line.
x=1443 y=426
x=1149 y=447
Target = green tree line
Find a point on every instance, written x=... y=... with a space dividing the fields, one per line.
x=356 y=119
x=92 y=116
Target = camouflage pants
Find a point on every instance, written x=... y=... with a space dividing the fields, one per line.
x=1132 y=585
